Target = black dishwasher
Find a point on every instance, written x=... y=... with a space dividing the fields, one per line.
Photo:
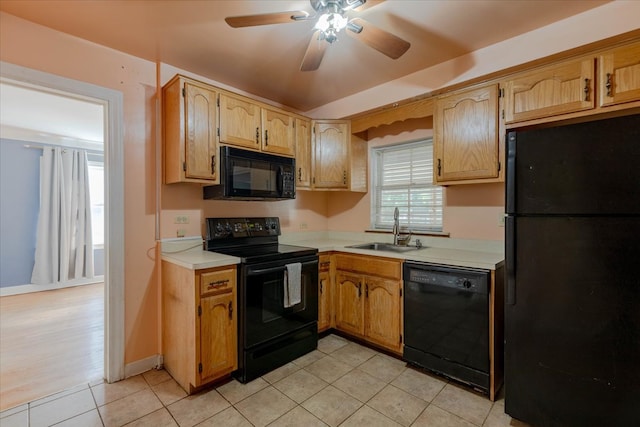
x=446 y=321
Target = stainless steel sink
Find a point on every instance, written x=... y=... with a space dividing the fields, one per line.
x=376 y=246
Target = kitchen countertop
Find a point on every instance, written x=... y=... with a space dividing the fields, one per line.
x=488 y=255
x=189 y=253
x=438 y=255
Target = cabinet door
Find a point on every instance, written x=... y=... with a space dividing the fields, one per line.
x=324 y=297
x=277 y=133
x=239 y=122
x=303 y=153
x=619 y=75
x=466 y=144
x=218 y=332
x=559 y=89
x=331 y=154
x=382 y=312
x=349 y=300
x=201 y=145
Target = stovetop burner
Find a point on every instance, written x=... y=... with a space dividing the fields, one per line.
x=251 y=239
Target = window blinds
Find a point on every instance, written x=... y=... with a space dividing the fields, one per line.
x=404 y=179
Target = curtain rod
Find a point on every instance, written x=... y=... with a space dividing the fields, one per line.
x=43 y=147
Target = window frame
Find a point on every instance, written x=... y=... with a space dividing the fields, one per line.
x=375 y=166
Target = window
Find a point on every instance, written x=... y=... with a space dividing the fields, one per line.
x=96 y=193
x=403 y=178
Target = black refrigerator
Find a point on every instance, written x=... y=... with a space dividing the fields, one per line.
x=572 y=258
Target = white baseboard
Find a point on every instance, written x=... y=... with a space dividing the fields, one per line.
x=143 y=365
x=25 y=289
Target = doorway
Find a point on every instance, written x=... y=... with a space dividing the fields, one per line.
x=112 y=105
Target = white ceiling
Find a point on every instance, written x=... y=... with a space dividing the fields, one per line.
x=36 y=115
x=265 y=60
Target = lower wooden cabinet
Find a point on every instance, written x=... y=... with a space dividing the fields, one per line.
x=324 y=293
x=369 y=299
x=199 y=324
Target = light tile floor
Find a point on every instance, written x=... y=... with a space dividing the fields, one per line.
x=340 y=384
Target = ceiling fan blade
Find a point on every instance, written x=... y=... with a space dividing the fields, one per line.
x=368 y=5
x=382 y=41
x=266 y=19
x=315 y=52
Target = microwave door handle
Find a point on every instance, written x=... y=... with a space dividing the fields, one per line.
x=279 y=179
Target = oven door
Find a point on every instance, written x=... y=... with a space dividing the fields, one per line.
x=262 y=300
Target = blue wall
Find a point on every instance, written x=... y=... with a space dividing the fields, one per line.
x=19 y=205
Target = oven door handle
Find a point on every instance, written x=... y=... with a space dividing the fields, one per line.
x=265 y=271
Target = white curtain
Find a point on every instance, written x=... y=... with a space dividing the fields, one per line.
x=64 y=250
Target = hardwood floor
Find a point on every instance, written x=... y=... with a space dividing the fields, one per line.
x=50 y=341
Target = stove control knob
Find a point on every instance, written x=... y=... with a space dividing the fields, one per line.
x=219 y=228
x=466 y=284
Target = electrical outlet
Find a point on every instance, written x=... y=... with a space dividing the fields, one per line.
x=181 y=232
x=181 y=219
x=501 y=219
x=303 y=226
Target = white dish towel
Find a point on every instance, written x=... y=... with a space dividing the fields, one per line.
x=292 y=284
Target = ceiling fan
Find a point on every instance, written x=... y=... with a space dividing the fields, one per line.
x=331 y=17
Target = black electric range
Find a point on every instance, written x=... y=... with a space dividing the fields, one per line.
x=271 y=332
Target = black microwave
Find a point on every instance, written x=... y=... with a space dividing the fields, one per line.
x=250 y=175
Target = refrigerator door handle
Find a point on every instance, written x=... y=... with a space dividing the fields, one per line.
x=510 y=260
x=510 y=202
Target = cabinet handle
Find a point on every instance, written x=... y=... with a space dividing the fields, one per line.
x=344 y=177
x=321 y=289
x=266 y=137
x=366 y=290
x=439 y=167
x=230 y=310
x=608 y=85
x=586 y=89
x=359 y=289
x=300 y=174
x=257 y=135
x=213 y=164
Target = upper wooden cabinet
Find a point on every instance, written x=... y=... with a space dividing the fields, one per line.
x=303 y=153
x=332 y=159
x=278 y=132
x=558 y=89
x=190 y=123
x=240 y=122
x=331 y=154
x=244 y=123
x=619 y=75
x=466 y=136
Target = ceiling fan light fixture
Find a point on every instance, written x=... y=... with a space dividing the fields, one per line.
x=330 y=24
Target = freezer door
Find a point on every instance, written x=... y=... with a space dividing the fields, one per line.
x=586 y=168
x=572 y=326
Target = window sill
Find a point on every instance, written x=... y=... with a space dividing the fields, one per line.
x=413 y=233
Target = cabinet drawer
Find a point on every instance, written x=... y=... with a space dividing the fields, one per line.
x=324 y=263
x=217 y=282
x=373 y=266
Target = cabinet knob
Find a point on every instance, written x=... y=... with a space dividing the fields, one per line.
x=257 y=135
x=608 y=85
x=230 y=310
x=586 y=89
x=299 y=174
x=266 y=137
x=439 y=168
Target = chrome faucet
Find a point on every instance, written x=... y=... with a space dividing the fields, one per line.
x=397 y=238
x=396 y=225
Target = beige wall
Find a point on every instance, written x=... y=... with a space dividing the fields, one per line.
x=36 y=47
x=470 y=211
